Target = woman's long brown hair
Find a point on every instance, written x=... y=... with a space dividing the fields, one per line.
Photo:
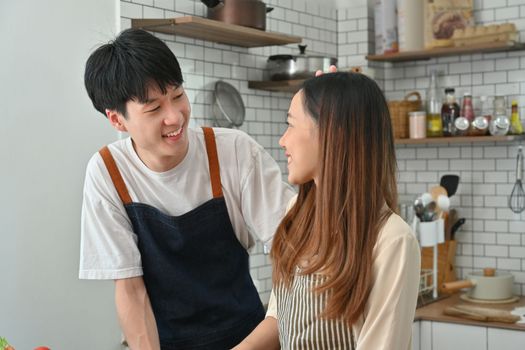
x=334 y=224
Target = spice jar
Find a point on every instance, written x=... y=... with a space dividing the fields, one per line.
x=479 y=126
x=417 y=124
x=500 y=123
x=461 y=125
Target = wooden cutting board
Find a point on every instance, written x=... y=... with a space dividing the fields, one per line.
x=479 y=313
x=446 y=262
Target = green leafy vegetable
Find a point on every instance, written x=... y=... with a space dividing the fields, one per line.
x=3 y=343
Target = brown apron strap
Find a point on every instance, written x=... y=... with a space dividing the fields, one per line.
x=213 y=161
x=116 y=177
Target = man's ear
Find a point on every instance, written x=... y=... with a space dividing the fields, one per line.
x=116 y=119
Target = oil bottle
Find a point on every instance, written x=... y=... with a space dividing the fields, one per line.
x=434 y=124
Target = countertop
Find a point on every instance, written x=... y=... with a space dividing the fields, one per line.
x=434 y=312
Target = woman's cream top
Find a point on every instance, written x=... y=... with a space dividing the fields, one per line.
x=387 y=320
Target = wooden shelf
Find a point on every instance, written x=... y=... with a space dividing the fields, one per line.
x=446 y=51
x=277 y=86
x=459 y=139
x=210 y=30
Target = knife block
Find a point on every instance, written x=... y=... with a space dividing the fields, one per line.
x=446 y=262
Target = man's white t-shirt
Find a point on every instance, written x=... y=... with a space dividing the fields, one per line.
x=255 y=195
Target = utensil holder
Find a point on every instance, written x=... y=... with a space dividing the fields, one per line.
x=430 y=234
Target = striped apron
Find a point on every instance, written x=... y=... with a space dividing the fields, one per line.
x=299 y=326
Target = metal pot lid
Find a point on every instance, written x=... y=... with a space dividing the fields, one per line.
x=498 y=275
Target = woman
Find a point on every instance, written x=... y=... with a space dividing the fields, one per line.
x=345 y=266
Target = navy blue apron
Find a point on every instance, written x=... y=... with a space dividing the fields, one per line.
x=196 y=272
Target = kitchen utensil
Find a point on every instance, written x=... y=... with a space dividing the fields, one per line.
x=426 y=198
x=455 y=227
x=512 y=299
x=450 y=220
x=419 y=207
x=481 y=313
x=247 y=13
x=485 y=285
x=450 y=183
x=429 y=213
x=437 y=191
x=443 y=203
x=228 y=107
x=517 y=196
x=301 y=66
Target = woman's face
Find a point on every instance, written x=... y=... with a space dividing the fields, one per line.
x=300 y=142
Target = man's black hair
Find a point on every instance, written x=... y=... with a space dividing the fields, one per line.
x=125 y=68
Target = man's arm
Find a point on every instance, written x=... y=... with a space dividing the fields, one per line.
x=265 y=337
x=135 y=314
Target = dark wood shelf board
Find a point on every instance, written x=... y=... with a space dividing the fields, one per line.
x=459 y=139
x=210 y=30
x=446 y=51
x=277 y=86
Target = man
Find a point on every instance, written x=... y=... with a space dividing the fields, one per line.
x=169 y=212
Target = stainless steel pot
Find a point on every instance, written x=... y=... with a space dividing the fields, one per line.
x=248 y=13
x=485 y=285
x=302 y=66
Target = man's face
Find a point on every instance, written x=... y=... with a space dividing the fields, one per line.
x=157 y=127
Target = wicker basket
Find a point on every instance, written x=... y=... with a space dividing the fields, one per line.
x=399 y=113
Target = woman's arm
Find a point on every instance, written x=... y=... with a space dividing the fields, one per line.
x=135 y=314
x=389 y=314
x=265 y=337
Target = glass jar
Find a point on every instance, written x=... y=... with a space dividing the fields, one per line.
x=500 y=123
x=461 y=125
x=479 y=126
x=417 y=124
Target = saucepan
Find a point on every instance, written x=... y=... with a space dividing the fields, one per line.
x=301 y=66
x=247 y=13
x=488 y=284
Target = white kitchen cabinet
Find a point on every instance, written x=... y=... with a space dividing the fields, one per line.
x=429 y=335
x=453 y=336
x=504 y=339
x=425 y=335
x=415 y=335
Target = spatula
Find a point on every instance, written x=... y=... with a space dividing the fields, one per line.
x=450 y=183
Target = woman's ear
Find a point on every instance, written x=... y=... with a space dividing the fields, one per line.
x=116 y=119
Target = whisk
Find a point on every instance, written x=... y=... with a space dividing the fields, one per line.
x=517 y=196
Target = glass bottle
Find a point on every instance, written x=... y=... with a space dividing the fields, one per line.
x=449 y=112
x=500 y=122
x=434 y=124
x=466 y=116
x=516 y=127
x=467 y=110
x=480 y=124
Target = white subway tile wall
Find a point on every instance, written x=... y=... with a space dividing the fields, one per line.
x=493 y=235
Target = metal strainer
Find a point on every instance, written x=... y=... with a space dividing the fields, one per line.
x=228 y=107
